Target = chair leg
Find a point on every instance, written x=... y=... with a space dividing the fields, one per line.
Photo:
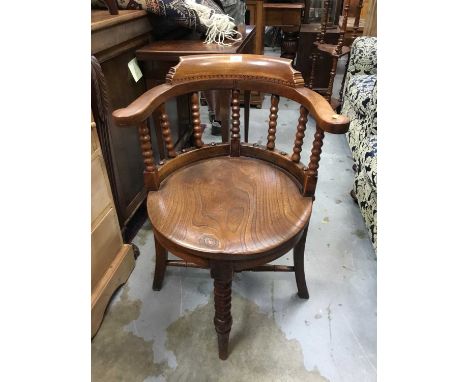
x=299 y=266
x=222 y=275
x=160 y=269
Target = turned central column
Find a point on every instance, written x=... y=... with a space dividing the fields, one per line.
x=222 y=274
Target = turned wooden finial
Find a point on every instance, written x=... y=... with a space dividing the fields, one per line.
x=312 y=170
x=272 y=122
x=197 y=130
x=328 y=94
x=151 y=177
x=166 y=131
x=324 y=23
x=301 y=127
x=343 y=28
x=235 y=129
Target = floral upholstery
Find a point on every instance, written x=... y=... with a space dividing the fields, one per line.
x=360 y=105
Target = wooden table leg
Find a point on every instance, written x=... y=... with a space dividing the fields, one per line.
x=159 y=138
x=160 y=268
x=299 y=265
x=222 y=274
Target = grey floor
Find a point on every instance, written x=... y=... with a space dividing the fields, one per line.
x=169 y=335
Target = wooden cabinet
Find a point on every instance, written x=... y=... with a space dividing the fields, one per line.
x=114 y=39
x=112 y=261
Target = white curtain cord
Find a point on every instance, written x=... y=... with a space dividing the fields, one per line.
x=219 y=26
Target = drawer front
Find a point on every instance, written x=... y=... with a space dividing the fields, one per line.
x=101 y=196
x=106 y=242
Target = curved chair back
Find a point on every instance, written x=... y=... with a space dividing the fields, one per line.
x=236 y=72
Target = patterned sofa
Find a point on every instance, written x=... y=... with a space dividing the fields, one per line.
x=360 y=105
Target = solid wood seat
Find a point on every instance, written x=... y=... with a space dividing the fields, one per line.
x=233 y=206
x=229 y=205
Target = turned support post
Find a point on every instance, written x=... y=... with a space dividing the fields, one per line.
x=272 y=122
x=222 y=274
x=197 y=130
x=150 y=174
x=300 y=133
x=166 y=131
x=235 y=128
x=310 y=181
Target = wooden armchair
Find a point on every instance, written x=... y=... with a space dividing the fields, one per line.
x=234 y=206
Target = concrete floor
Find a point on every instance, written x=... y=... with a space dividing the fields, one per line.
x=169 y=335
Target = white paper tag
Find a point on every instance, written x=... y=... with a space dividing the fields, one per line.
x=135 y=69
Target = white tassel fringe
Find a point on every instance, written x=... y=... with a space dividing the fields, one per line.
x=219 y=27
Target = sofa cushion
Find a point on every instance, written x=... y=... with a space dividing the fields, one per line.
x=367 y=200
x=360 y=96
x=367 y=159
x=363 y=59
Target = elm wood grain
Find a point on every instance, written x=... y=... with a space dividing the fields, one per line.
x=232 y=206
x=226 y=205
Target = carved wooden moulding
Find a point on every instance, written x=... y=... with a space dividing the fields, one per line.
x=235 y=67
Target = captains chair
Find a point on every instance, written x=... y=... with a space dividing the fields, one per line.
x=235 y=206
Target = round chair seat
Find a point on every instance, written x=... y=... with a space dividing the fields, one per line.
x=236 y=206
